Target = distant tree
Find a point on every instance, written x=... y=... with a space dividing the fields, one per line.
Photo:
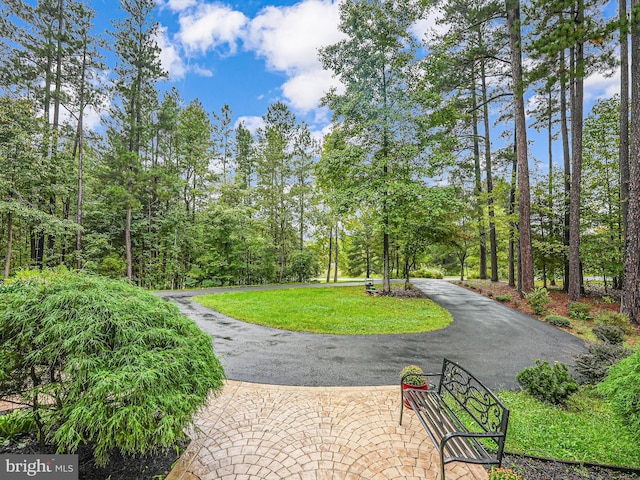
x=375 y=111
x=18 y=151
x=601 y=202
x=223 y=139
x=276 y=144
x=136 y=74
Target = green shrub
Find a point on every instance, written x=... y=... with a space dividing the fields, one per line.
x=302 y=266
x=622 y=390
x=579 y=311
x=104 y=363
x=539 y=299
x=550 y=384
x=414 y=375
x=609 y=334
x=614 y=319
x=503 y=474
x=427 y=273
x=503 y=298
x=16 y=423
x=558 y=320
x=594 y=365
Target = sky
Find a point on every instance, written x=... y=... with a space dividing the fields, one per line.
x=249 y=54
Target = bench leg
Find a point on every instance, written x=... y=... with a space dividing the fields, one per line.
x=401 y=403
x=441 y=465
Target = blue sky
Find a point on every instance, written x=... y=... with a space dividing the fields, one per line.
x=249 y=54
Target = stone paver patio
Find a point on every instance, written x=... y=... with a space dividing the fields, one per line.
x=257 y=431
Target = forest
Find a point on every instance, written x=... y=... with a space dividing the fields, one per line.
x=411 y=180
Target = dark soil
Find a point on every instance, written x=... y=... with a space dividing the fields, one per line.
x=537 y=469
x=150 y=467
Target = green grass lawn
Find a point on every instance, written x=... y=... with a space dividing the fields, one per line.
x=587 y=430
x=337 y=310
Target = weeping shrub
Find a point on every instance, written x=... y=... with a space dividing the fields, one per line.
x=104 y=363
x=593 y=365
x=622 y=390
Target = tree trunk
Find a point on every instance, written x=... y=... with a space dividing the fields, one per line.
x=493 y=242
x=7 y=258
x=624 y=113
x=128 y=246
x=513 y=226
x=515 y=40
x=330 y=253
x=577 y=108
x=482 y=234
x=337 y=252
x=386 y=282
x=566 y=154
x=630 y=299
x=550 y=191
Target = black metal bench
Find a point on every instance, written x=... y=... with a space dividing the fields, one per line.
x=464 y=419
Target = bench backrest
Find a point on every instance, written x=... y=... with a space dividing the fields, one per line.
x=461 y=390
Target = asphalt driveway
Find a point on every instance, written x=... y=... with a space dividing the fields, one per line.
x=493 y=341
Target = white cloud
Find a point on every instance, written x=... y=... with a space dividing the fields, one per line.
x=599 y=85
x=288 y=38
x=170 y=58
x=304 y=90
x=208 y=26
x=429 y=25
x=203 y=72
x=251 y=123
x=179 y=5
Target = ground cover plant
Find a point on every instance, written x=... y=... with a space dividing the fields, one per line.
x=101 y=363
x=586 y=430
x=326 y=310
x=595 y=308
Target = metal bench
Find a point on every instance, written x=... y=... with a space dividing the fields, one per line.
x=464 y=419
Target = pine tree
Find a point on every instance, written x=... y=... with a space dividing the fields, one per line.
x=137 y=72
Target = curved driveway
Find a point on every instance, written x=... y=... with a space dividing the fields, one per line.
x=493 y=341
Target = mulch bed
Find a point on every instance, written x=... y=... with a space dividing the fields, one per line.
x=537 y=469
x=150 y=467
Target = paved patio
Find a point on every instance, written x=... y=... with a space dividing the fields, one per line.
x=258 y=431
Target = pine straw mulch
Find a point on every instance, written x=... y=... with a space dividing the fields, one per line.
x=595 y=296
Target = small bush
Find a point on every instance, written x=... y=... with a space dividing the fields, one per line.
x=503 y=298
x=16 y=423
x=503 y=474
x=614 y=319
x=550 y=384
x=539 y=299
x=594 y=365
x=558 y=320
x=621 y=388
x=103 y=363
x=414 y=375
x=579 y=311
x=609 y=334
x=427 y=273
